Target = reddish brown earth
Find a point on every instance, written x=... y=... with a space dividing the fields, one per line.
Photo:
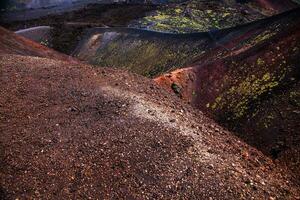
x=276 y=5
x=251 y=85
x=69 y=130
x=11 y=43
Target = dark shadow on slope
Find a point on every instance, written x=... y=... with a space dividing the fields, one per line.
x=252 y=86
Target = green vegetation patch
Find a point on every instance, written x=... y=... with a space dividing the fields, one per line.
x=195 y=16
x=148 y=57
x=250 y=84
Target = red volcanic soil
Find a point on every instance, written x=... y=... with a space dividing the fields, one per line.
x=70 y=131
x=249 y=83
x=11 y=43
x=276 y=5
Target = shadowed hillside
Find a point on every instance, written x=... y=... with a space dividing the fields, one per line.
x=152 y=53
x=143 y=52
x=250 y=84
x=11 y=43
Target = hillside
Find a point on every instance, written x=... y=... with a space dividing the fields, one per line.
x=251 y=85
x=153 y=53
x=143 y=52
x=13 y=44
x=73 y=131
x=159 y=99
x=206 y=15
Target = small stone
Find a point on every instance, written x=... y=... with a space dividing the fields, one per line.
x=151 y=112
x=173 y=120
x=72 y=109
x=210 y=166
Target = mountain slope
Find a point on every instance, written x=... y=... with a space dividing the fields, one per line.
x=73 y=131
x=276 y=5
x=11 y=43
x=143 y=52
x=153 y=53
x=251 y=85
x=206 y=15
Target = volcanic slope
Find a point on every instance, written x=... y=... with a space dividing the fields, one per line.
x=69 y=130
x=144 y=52
x=251 y=84
x=14 y=44
x=153 y=53
x=198 y=16
x=273 y=6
